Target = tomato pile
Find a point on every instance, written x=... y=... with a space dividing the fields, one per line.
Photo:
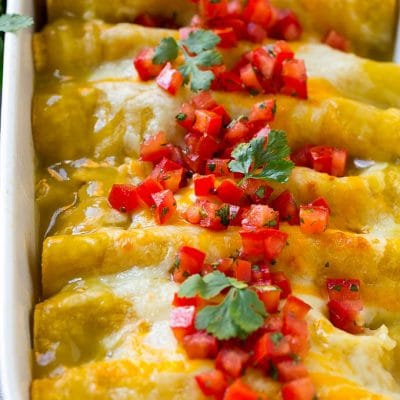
x=276 y=348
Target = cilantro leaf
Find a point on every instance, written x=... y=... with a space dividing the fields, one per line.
x=247 y=303
x=201 y=40
x=240 y=314
x=199 y=53
x=167 y=50
x=14 y=22
x=218 y=321
x=254 y=160
x=207 y=287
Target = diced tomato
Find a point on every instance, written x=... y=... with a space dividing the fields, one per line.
x=230 y=81
x=287 y=207
x=147 y=188
x=193 y=214
x=258 y=11
x=241 y=391
x=261 y=275
x=154 y=148
x=271 y=346
x=286 y=26
x=236 y=133
x=188 y=262
x=235 y=8
x=232 y=361
x=321 y=202
x=255 y=32
x=220 y=110
x=313 y=219
x=229 y=192
x=144 y=65
x=147 y=20
x=260 y=216
x=207 y=122
x=219 y=167
x=336 y=41
x=176 y=154
x=344 y=315
x=123 y=198
x=227 y=36
x=213 y=216
x=343 y=289
x=207 y=146
x=264 y=62
x=258 y=191
x=275 y=241
x=266 y=242
x=169 y=174
x=328 y=159
x=212 y=383
x=294 y=77
x=200 y=345
x=182 y=321
x=296 y=307
x=242 y=270
x=225 y=265
x=204 y=184
x=210 y=9
x=294 y=326
x=165 y=206
x=280 y=279
x=291 y=370
x=263 y=111
x=186 y=116
x=299 y=389
x=270 y=296
x=283 y=52
x=170 y=79
x=203 y=101
x=193 y=162
x=273 y=323
x=250 y=79
x=196 y=301
x=302 y=156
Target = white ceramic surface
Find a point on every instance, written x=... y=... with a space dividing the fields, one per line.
x=17 y=213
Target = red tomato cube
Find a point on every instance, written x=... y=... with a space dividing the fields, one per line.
x=165 y=206
x=232 y=361
x=299 y=389
x=229 y=192
x=294 y=77
x=218 y=167
x=260 y=216
x=182 y=321
x=336 y=41
x=296 y=307
x=280 y=279
x=291 y=370
x=123 y=198
x=170 y=79
x=241 y=391
x=147 y=188
x=313 y=219
x=258 y=11
x=186 y=116
x=263 y=111
x=204 y=184
x=144 y=65
x=188 y=262
x=343 y=289
x=270 y=296
x=154 y=148
x=207 y=123
x=287 y=207
x=242 y=270
x=200 y=345
x=212 y=383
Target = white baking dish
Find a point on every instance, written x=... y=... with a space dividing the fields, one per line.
x=19 y=275
x=18 y=255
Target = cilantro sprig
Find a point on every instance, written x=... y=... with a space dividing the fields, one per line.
x=271 y=163
x=237 y=316
x=14 y=22
x=199 y=53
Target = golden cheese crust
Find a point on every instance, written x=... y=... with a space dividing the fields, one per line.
x=102 y=328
